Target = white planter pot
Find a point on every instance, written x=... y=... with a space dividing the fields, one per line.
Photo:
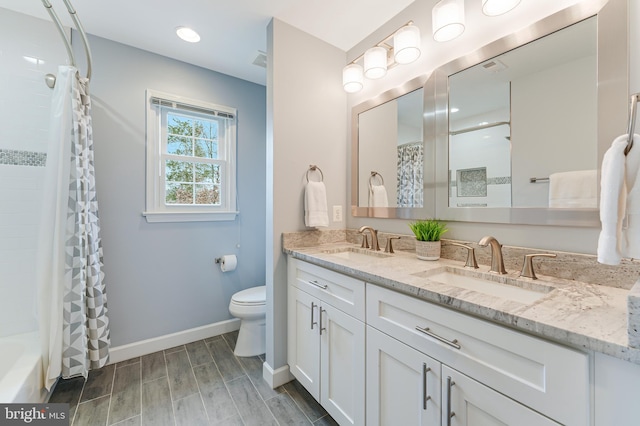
x=428 y=250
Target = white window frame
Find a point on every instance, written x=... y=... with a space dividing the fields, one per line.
x=157 y=105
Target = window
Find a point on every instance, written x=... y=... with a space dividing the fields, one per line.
x=190 y=160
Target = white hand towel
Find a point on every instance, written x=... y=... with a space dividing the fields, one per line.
x=378 y=196
x=315 y=205
x=632 y=232
x=575 y=189
x=616 y=168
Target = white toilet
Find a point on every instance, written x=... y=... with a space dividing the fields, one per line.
x=250 y=307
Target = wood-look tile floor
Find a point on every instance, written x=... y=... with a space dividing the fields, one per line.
x=201 y=383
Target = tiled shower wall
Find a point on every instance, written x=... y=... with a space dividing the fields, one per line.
x=29 y=49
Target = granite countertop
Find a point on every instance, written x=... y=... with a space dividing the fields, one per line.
x=586 y=316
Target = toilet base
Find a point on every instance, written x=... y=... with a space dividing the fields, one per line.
x=251 y=338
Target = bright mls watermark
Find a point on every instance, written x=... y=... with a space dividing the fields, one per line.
x=34 y=414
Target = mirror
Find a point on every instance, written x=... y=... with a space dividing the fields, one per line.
x=523 y=154
x=390 y=166
x=453 y=184
x=391 y=158
x=508 y=113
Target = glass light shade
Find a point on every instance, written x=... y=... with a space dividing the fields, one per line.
x=187 y=34
x=352 y=77
x=498 y=7
x=447 y=17
x=375 y=62
x=406 y=44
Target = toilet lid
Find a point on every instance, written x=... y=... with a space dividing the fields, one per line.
x=251 y=296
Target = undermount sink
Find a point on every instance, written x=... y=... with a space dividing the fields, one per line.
x=493 y=285
x=355 y=253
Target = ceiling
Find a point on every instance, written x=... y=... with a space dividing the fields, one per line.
x=232 y=32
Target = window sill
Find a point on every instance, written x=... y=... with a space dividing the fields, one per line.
x=159 y=217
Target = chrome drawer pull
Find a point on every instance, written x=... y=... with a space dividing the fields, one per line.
x=452 y=343
x=450 y=413
x=317 y=284
x=313 y=306
x=425 y=396
x=321 y=327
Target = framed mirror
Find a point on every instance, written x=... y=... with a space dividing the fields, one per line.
x=392 y=169
x=520 y=126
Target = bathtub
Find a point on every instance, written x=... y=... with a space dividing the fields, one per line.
x=21 y=369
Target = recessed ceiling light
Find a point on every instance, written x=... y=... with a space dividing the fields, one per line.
x=187 y=34
x=454 y=109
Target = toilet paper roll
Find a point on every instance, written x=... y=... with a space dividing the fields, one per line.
x=228 y=263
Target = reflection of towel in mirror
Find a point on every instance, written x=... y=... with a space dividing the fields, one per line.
x=619 y=196
x=378 y=196
x=315 y=205
x=574 y=190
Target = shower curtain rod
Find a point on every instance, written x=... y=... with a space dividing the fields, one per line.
x=50 y=79
x=479 y=127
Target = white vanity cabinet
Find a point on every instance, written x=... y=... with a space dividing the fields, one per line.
x=470 y=403
x=500 y=374
x=403 y=384
x=326 y=338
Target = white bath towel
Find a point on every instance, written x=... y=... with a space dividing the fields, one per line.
x=378 y=196
x=575 y=189
x=315 y=205
x=619 y=196
x=632 y=232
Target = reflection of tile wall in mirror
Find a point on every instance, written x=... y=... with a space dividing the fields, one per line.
x=472 y=182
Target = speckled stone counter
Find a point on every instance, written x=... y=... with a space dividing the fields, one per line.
x=579 y=314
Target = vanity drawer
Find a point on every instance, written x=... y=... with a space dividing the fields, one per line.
x=545 y=376
x=341 y=291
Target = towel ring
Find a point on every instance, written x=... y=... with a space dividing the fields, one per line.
x=314 y=168
x=375 y=174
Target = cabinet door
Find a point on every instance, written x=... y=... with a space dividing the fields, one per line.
x=466 y=402
x=403 y=385
x=342 y=366
x=303 y=350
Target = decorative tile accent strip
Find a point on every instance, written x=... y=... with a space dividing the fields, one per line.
x=503 y=180
x=22 y=158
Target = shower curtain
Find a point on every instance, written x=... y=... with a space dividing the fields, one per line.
x=410 y=180
x=74 y=326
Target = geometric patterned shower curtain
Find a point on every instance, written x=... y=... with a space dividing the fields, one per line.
x=410 y=167
x=78 y=319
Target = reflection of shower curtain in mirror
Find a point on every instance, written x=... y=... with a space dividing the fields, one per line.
x=410 y=181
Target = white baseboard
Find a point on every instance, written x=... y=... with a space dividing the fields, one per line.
x=277 y=377
x=145 y=347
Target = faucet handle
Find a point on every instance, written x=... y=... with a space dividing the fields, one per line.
x=389 y=247
x=527 y=267
x=471 y=255
x=365 y=241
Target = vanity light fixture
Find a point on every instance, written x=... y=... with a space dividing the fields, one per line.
x=187 y=34
x=406 y=44
x=375 y=62
x=498 y=7
x=447 y=17
x=383 y=56
x=352 y=78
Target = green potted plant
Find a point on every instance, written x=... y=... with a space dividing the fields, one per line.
x=428 y=233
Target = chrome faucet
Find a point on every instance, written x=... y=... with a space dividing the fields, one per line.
x=374 y=236
x=497 y=263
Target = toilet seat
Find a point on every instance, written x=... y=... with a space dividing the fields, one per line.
x=250 y=297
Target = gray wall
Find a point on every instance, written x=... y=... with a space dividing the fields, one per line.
x=161 y=277
x=306 y=125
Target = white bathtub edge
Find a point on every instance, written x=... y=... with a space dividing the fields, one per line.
x=148 y=346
